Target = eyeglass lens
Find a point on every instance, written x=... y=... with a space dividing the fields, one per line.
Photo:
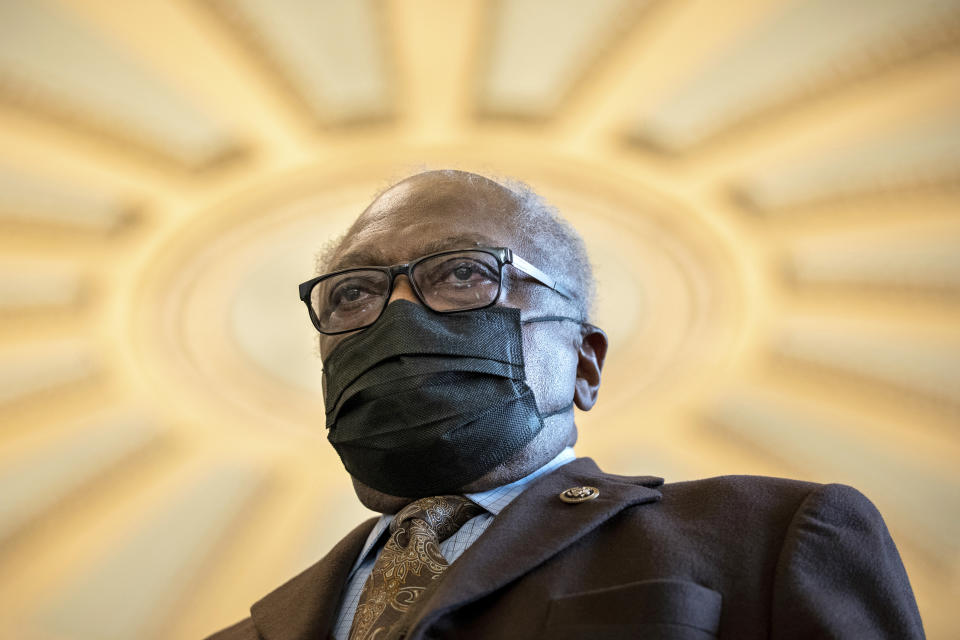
x=447 y=282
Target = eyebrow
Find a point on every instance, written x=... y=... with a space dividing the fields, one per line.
x=359 y=258
x=374 y=256
x=463 y=241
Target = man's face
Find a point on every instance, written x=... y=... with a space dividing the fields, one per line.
x=430 y=213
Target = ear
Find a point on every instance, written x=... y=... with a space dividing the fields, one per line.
x=590 y=357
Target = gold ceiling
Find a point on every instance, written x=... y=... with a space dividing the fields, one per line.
x=770 y=190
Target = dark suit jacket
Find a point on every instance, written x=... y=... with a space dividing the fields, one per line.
x=734 y=557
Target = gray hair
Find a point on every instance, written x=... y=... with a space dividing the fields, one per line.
x=547 y=238
x=555 y=242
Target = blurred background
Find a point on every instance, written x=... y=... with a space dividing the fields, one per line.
x=770 y=191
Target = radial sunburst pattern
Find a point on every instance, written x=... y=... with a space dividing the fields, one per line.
x=770 y=190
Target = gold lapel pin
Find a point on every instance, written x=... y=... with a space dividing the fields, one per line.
x=573 y=495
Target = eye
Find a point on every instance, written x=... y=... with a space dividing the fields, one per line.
x=355 y=291
x=350 y=294
x=461 y=272
x=464 y=272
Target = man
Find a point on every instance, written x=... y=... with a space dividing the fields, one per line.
x=455 y=341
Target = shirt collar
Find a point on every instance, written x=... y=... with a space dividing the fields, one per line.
x=493 y=500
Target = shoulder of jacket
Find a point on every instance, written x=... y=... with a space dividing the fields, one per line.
x=839 y=503
x=739 y=493
x=798 y=497
x=734 y=484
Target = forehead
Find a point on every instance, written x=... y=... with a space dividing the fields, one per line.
x=411 y=220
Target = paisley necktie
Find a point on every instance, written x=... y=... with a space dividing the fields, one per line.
x=409 y=566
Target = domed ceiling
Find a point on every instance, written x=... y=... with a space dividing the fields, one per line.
x=769 y=189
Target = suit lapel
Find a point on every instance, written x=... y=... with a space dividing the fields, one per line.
x=533 y=528
x=303 y=608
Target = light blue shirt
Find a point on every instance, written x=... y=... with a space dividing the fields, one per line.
x=452 y=548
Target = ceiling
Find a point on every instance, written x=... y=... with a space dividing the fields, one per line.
x=769 y=190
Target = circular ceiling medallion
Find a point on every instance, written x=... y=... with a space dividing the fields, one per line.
x=217 y=314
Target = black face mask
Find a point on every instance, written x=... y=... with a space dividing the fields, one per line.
x=422 y=403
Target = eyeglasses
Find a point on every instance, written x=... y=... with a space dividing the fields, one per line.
x=446 y=282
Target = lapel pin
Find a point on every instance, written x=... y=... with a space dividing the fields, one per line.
x=574 y=495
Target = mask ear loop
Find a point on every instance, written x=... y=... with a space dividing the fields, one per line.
x=552 y=319
x=578 y=321
x=558 y=411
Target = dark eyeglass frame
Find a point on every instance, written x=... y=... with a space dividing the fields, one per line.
x=503 y=256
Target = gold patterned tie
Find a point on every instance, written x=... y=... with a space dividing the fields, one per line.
x=410 y=564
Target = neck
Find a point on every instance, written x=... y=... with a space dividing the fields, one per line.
x=542 y=449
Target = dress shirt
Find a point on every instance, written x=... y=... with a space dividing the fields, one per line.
x=452 y=548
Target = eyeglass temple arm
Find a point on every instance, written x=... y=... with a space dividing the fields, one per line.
x=531 y=270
